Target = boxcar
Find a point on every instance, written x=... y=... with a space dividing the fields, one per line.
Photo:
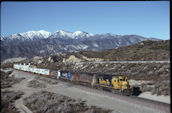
x=45 y=72
x=55 y=73
x=66 y=75
x=83 y=78
x=31 y=69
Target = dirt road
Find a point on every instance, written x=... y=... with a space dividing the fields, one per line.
x=97 y=98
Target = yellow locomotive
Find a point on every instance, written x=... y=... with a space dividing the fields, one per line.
x=117 y=84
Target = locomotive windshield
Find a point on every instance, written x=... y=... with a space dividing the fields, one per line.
x=122 y=79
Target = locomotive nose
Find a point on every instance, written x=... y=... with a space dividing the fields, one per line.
x=125 y=83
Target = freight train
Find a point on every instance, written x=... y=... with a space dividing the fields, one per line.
x=115 y=83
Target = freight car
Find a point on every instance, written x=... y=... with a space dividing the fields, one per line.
x=114 y=83
x=66 y=75
x=54 y=74
x=83 y=78
x=40 y=71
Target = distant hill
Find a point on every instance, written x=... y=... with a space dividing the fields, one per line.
x=145 y=50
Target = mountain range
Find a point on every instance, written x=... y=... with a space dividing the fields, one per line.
x=43 y=43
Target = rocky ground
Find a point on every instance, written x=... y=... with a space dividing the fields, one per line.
x=13 y=60
x=7 y=101
x=8 y=81
x=39 y=82
x=35 y=84
x=9 y=97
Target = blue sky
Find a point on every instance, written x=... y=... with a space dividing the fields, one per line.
x=145 y=18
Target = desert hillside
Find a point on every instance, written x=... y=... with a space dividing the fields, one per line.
x=145 y=50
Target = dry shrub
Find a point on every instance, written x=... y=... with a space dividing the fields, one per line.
x=7 y=101
x=36 y=84
x=7 y=65
x=162 y=88
x=47 y=102
x=47 y=80
x=7 y=81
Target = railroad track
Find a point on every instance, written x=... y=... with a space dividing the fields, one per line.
x=102 y=62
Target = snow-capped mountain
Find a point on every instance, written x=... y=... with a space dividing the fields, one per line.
x=61 y=34
x=72 y=35
x=30 y=35
x=81 y=34
x=43 y=43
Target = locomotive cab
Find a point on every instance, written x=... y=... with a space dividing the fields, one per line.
x=121 y=83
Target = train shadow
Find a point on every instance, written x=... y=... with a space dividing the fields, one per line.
x=136 y=91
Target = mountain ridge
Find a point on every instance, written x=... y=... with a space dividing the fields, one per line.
x=42 y=43
x=45 y=34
